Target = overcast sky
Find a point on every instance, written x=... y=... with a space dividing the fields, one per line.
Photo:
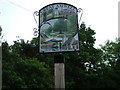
x=16 y=17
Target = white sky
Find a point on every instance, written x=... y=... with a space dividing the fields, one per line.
x=101 y=15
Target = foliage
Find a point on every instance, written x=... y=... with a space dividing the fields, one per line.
x=25 y=71
x=24 y=67
x=111 y=60
x=60 y=26
x=72 y=23
x=84 y=64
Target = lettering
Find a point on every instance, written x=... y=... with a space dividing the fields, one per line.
x=54 y=6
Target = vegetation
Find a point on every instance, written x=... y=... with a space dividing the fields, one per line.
x=61 y=26
x=24 y=67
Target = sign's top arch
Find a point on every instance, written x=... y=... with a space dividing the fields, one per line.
x=58 y=5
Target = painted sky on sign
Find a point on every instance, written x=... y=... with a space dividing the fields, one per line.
x=16 y=17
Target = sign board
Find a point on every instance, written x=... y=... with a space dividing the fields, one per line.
x=58 y=28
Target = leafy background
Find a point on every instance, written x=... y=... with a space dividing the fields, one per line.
x=24 y=67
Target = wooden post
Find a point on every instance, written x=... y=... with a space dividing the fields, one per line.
x=59 y=72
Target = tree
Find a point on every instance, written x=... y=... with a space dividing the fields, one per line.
x=24 y=67
x=20 y=70
x=48 y=30
x=111 y=53
x=60 y=26
x=109 y=70
x=72 y=23
x=81 y=66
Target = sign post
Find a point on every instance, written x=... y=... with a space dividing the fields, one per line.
x=59 y=72
x=58 y=33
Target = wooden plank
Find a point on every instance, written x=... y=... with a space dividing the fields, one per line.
x=59 y=75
